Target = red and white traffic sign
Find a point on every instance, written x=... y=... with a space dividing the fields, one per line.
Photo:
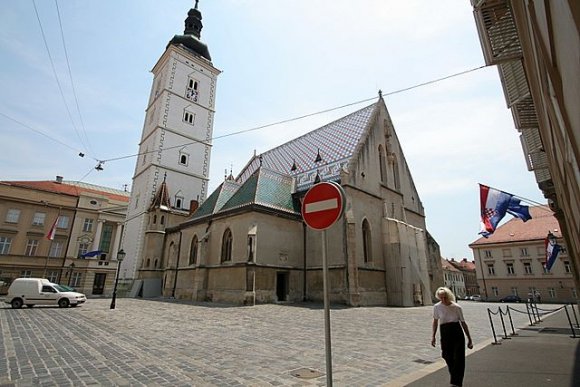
x=323 y=205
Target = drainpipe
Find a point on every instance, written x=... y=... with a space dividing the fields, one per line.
x=177 y=265
x=482 y=273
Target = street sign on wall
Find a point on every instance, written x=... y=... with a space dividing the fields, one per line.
x=323 y=205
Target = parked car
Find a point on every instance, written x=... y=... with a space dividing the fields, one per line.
x=476 y=297
x=40 y=291
x=66 y=288
x=511 y=298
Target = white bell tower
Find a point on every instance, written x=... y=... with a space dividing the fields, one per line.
x=176 y=138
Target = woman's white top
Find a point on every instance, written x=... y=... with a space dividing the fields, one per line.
x=447 y=313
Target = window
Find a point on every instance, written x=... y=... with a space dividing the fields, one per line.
x=514 y=291
x=487 y=254
x=510 y=268
x=52 y=276
x=178 y=202
x=191 y=91
x=567 y=267
x=495 y=291
x=26 y=273
x=62 y=222
x=12 y=216
x=524 y=252
x=162 y=219
x=490 y=269
x=38 y=219
x=188 y=117
x=83 y=248
x=552 y=292
x=227 y=246
x=506 y=252
x=366 y=235
x=382 y=163
x=574 y=294
x=31 y=247
x=527 y=268
x=5 y=243
x=75 y=280
x=106 y=237
x=193 y=251
x=56 y=249
x=88 y=225
x=183 y=158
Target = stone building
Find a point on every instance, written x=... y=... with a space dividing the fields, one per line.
x=511 y=260
x=88 y=222
x=469 y=275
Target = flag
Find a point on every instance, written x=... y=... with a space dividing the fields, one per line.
x=91 y=253
x=494 y=204
x=52 y=231
x=552 y=250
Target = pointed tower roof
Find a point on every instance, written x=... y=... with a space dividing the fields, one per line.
x=192 y=34
x=161 y=199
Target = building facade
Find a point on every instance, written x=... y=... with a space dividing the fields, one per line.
x=176 y=140
x=469 y=275
x=88 y=222
x=454 y=279
x=511 y=261
x=536 y=46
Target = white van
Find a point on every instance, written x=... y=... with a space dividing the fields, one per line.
x=40 y=291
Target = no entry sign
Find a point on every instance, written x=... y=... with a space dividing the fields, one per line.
x=323 y=205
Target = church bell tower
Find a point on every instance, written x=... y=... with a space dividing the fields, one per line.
x=176 y=139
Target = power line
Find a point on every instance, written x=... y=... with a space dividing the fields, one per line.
x=84 y=131
x=56 y=76
x=303 y=116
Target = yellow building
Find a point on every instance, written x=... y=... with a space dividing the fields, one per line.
x=87 y=221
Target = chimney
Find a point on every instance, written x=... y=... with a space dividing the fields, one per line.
x=59 y=179
x=193 y=206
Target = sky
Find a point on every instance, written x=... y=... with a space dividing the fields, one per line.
x=279 y=60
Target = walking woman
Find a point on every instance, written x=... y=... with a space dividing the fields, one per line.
x=448 y=315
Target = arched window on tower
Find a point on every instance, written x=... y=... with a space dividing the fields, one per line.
x=191 y=91
x=227 y=242
x=366 y=235
x=193 y=251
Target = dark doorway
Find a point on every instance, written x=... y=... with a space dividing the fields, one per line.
x=99 y=284
x=282 y=286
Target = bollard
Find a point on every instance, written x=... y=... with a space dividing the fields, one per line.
x=492 y=328
x=575 y=317
x=570 y=322
x=511 y=322
x=528 y=311
x=505 y=336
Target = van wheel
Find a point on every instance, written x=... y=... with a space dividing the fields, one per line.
x=29 y=305
x=16 y=303
x=63 y=303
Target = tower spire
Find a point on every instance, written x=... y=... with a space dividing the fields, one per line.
x=193 y=24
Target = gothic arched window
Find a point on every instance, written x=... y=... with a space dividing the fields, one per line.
x=227 y=246
x=193 y=251
x=366 y=236
x=382 y=163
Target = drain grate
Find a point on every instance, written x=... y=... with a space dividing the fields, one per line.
x=306 y=373
x=421 y=361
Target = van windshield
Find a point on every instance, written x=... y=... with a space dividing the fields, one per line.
x=60 y=288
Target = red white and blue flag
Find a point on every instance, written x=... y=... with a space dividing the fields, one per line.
x=552 y=251
x=495 y=204
x=52 y=231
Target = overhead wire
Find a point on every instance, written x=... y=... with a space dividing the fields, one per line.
x=84 y=131
x=285 y=121
x=56 y=75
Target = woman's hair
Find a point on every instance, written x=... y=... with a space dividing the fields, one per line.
x=447 y=292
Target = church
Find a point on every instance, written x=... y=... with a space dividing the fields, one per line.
x=246 y=242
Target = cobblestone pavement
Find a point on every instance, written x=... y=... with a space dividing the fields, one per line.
x=164 y=343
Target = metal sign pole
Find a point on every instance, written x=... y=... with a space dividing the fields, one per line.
x=326 y=313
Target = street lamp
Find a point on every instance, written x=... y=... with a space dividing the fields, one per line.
x=120 y=256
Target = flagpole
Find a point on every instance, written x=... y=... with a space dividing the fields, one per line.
x=519 y=197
